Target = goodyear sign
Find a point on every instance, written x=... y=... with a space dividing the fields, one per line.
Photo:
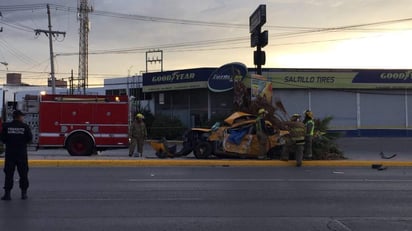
x=176 y=80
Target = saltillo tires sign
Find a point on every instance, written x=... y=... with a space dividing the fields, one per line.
x=222 y=79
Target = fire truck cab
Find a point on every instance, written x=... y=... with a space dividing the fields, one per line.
x=83 y=124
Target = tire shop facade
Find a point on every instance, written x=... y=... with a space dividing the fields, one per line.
x=362 y=102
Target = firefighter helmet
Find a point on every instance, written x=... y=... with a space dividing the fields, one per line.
x=262 y=111
x=309 y=114
x=295 y=117
x=140 y=116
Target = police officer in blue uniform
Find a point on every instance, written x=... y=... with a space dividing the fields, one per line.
x=16 y=135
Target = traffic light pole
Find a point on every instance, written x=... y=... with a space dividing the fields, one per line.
x=257 y=38
x=259 y=64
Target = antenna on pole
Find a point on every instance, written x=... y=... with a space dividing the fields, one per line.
x=83 y=16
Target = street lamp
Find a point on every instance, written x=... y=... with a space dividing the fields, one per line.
x=127 y=80
x=6 y=65
x=3 y=112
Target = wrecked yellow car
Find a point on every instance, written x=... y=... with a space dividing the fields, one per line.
x=236 y=137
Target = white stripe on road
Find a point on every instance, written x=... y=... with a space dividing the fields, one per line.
x=124 y=199
x=268 y=180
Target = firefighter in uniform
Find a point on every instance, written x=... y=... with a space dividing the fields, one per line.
x=261 y=133
x=297 y=141
x=16 y=135
x=137 y=135
x=310 y=130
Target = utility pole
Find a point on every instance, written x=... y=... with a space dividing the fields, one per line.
x=71 y=80
x=1 y=16
x=51 y=34
x=152 y=56
x=83 y=12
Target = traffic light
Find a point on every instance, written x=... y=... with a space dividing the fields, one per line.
x=254 y=39
x=259 y=58
x=259 y=39
x=263 y=38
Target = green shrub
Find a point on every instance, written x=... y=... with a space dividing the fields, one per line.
x=168 y=127
x=324 y=145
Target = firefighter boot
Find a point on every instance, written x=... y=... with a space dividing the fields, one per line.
x=24 y=194
x=6 y=196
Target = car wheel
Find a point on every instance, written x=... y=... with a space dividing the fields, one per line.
x=161 y=154
x=203 y=150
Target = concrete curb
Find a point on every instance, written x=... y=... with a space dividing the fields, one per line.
x=217 y=163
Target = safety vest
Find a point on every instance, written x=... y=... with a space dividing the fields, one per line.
x=259 y=127
x=138 y=130
x=312 y=130
x=297 y=132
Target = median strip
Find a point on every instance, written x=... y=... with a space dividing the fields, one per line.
x=222 y=163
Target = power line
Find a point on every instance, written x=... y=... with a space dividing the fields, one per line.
x=205 y=45
x=11 y=8
x=15 y=52
x=61 y=73
x=16 y=26
x=303 y=29
x=25 y=7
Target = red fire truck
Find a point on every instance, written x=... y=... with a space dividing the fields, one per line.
x=83 y=124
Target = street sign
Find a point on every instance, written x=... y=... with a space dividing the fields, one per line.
x=258 y=18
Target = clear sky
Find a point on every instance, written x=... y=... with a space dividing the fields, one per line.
x=299 y=30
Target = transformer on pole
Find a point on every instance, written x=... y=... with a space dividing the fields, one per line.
x=83 y=16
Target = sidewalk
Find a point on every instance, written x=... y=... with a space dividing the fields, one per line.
x=358 y=151
x=370 y=148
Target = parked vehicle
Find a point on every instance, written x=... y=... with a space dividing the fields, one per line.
x=83 y=124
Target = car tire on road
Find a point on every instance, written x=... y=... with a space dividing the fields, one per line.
x=161 y=154
x=202 y=150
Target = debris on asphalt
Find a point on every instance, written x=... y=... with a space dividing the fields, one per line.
x=337 y=172
x=376 y=166
x=383 y=156
x=382 y=168
x=379 y=167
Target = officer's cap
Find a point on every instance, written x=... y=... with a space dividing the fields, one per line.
x=18 y=113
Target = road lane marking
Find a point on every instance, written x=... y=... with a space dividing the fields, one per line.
x=120 y=199
x=270 y=180
x=336 y=225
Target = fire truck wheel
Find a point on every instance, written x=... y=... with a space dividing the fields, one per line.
x=203 y=150
x=80 y=144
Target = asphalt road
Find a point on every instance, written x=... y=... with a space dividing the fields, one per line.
x=353 y=148
x=213 y=198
